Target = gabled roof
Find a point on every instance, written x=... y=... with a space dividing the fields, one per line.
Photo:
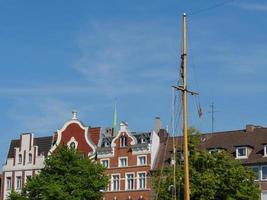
x=228 y=140
x=43 y=143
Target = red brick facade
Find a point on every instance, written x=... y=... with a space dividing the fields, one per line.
x=133 y=187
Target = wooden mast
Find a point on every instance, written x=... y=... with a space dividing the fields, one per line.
x=184 y=89
x=186 y=168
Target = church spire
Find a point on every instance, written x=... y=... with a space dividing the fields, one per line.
x=115 y=120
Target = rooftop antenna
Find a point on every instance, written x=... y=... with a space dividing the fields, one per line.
x=212 y=116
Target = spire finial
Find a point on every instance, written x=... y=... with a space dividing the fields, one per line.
x=74 y=114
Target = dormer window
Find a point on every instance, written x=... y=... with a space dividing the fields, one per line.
x=106 y=144
x=123 y=141
x=215 y=150
x=265 y=150
x=20 y=158
x=143 y=140
x=241 y=152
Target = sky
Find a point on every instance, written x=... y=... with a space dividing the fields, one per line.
x=57 y=56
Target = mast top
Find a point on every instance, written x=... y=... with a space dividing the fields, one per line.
x=184 y=14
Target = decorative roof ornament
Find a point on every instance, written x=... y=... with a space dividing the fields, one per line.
x=74 y=114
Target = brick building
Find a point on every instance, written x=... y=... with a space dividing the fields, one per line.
x=129 y=157
x=26 y=155
x=248 y=145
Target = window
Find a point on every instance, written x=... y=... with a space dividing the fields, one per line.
x=20 y=158
x=123 y=141
x=123 y=162
x=264 y=196
x=8 y=183
x=143 y=140
x=241 y=152
x=141 y=160
x=129 y=182
x=73 y=145
x=106 y=144
x=30 y=158
x=264 y=172
x=105 y=163
x=115 y=182
x=28 y=178
x=265 y=150
x=212 y=151
x=256 y=170
x=18 y=186
x=141 y=180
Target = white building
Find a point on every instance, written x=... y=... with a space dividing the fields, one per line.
x=25 y=158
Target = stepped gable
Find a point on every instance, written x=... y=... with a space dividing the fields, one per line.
x=44 y=144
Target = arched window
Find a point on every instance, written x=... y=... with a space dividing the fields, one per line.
x=30 y=158
x=73 y=145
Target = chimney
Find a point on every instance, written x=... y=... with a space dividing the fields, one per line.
x=250 y=128
x=157 y=124
x=108 y=132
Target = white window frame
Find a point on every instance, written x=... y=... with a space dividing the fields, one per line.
x=112 y=185
x=106 y=159
x=138 y=180
x=261 y=177
x=143 y=140
x=119 y=161
x=18 y=182
x=126 y=181
x=8 y=183
x=138 y=160
x=123 y=143
x=241 y=157
x=265 y=150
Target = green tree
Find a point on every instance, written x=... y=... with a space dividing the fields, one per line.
x=214 y=176
x=67 y=175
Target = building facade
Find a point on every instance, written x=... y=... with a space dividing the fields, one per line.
x=25 y=158
x=128 y=157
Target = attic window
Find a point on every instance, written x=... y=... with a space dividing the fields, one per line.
x=123 y=141
x=215 y=150
x=241 y=152
x=143 y=140
x=106 y=144
x=265 y=150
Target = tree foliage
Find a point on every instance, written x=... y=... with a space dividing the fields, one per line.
x=214 y=176
x=67 y=175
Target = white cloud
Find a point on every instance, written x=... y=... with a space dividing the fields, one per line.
x=114 y=56
x=253 y=7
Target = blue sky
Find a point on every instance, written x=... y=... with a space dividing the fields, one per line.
x=56 y=56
